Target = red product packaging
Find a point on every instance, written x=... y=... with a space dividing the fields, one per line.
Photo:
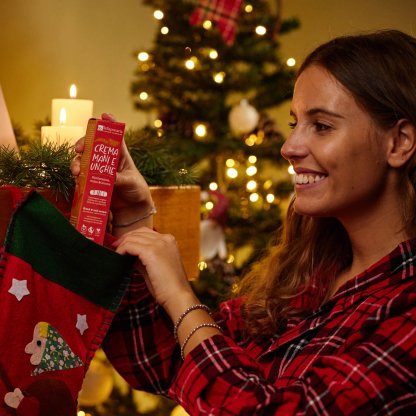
x=94 y=187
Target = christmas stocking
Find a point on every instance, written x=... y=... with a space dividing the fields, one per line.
x=58 y=295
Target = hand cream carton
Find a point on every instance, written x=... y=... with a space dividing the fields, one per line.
x=95 y=183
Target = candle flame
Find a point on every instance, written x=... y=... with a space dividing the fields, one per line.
x=62 y=116
x=73 y=91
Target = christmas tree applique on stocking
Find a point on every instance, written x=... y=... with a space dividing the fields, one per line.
x=58 y=294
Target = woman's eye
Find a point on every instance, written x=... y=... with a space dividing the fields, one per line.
x=321 y=126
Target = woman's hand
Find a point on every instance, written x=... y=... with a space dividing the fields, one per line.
x=162 y=268
x=131 y=197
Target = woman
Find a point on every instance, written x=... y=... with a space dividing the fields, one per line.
x=326 y=323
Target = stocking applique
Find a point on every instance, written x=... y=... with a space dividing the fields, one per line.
x=58 y=293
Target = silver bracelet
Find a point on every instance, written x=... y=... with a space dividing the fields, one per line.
x=127 y=224
x=206 y=325
x=181 y=318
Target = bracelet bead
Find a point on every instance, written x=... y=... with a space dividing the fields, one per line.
x=205 y=325
x=186 y=312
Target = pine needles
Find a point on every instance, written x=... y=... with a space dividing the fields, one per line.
x=38 y=166
x=156 y=160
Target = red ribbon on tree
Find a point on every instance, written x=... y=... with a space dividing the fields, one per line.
x=224 y=13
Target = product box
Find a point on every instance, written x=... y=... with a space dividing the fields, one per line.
x=94 y=186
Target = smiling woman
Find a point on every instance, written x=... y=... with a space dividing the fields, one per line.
x=326 y=323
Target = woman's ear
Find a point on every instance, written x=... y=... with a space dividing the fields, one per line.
x=403 y=143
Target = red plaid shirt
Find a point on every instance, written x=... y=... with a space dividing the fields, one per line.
x=356 y=355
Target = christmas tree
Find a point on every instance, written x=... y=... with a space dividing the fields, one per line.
x=211 y=74
x=207 y=82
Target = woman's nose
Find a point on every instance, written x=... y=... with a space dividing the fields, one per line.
x=294 y=147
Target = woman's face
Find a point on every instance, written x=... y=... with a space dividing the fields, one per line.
x=336 y=149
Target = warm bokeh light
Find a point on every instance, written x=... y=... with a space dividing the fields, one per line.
x=251 y=185
x=269 y=198
x=254 y=197
x=252 y=159
x=200 y=130
x=191 y=62
x=164 y=30
x=158 y=123
x=291 y=62
x=251 y=140
x=230 y=163
x=207 y=24
x=219 y=77
x=158 y=14
x=143 y=56
x=291 y=170
x=143 y=95
x=248 y=8
x=209 y=205
x=232 y=173
x=213 y=186
x=202 y=265
x=213 y=54
x=261 y=30
x=251 y=170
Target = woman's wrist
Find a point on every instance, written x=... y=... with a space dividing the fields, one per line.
x=130 y=218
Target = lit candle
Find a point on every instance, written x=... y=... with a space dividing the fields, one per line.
x=78 y=112
x=61 y=134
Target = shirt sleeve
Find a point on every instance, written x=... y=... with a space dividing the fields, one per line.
x=373 y=373
x=140 y=344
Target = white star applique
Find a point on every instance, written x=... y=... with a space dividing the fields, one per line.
x=19 y=289
x=81 y=325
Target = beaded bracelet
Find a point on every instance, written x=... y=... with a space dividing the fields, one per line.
x=181 y=318
x=127 y=224
x=193 y=332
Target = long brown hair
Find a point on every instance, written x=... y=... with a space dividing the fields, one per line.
x=379 y=70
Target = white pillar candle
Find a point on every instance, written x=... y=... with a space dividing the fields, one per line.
x=78 y=112
x=63 y=133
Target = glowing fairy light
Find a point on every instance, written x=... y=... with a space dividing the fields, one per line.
x=251 y=170
x=251 y=185
x=254 y=197
x=251 y=140
x=158 y=123
x=219 y=77
x=164 y=30
x=291 y=62
x=202 y=265
x=213 y=186
x=143 y=56
x=252 y=159
x=270 y=198
x=207 y=25
x=200 y=130
x=209 y=205
x=230 y=163
x=232 y=173
x=248 y=8
x=143 y=95
x=261 y=30
x=213 y=54
x=158 y=14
